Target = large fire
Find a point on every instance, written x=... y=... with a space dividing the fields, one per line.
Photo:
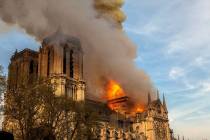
x=118 y=100
x=139 y=109
x=114 y=90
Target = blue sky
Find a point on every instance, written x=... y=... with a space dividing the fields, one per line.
x=173 y=48
x=174 y=45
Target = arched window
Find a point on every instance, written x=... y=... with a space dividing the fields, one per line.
x=64 y=60
x=71 y=64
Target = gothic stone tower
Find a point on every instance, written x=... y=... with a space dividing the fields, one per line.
x=153 y=122
x=23 y=68
x=61 y=60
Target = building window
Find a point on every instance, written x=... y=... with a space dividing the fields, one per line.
x=31 y=67
x=71 y=64
x=64 y=60
x=48 y=63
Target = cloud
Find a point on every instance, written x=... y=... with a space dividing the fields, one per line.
x=194 y=34
x=174 y=40
x=176 y=72
x=206 y=87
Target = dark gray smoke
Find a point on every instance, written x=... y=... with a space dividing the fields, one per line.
x=109 y=54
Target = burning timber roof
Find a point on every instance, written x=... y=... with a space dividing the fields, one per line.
x=61 y=39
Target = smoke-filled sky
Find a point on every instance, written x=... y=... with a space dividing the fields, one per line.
x=174 y=45
x=173 y=48
x=108 y=52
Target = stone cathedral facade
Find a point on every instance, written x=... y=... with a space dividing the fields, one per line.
x=60 y=58
x=64 y=60
x=153 y=123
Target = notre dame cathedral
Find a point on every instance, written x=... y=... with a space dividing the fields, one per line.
x=60 y=58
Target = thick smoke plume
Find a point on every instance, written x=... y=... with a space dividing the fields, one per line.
x=108 y=53
x=110 y=8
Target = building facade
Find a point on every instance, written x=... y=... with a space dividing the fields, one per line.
x=60 y=58
x=153 y=123
x=23 y=68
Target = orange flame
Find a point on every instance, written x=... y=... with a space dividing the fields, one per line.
x=114 y=90
x=139 y=110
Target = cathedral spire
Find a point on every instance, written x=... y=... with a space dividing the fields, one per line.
x=158 y=95
x=16 y=51
x=164 y=102
x=149 y=98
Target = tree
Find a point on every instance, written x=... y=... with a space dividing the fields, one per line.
x=36 y=112
x=22 y=108
x=2 y=84
x=2 y=90
x=56 y=113
x=68 y=118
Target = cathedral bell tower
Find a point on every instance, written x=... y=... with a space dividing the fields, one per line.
x=61 y=60
x=23 y=68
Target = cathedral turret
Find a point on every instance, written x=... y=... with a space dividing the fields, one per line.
x=164 y=102
x=16 y=51
x=149 y=98
x=158 y=95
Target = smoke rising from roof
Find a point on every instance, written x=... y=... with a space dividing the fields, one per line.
x=108 y=52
